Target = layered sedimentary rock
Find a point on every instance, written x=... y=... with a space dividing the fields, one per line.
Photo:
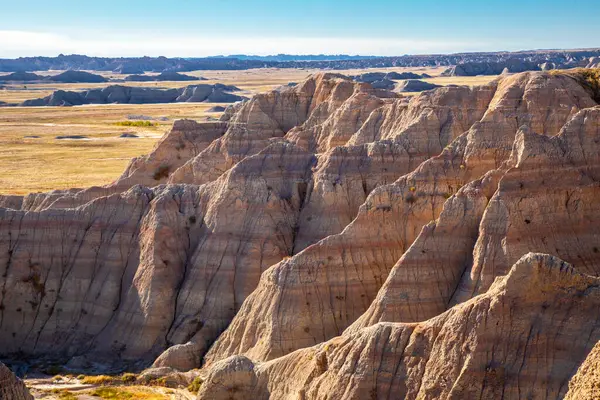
x=339 y=277
x=164 y=76
x=117 y=94
x=415 y=85
x=561 y=58
x=11 y=387
x=492 y=68
x=585 y=385
x=524 y=338
x=323 y=209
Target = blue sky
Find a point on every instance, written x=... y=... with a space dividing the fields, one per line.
x=379 y=27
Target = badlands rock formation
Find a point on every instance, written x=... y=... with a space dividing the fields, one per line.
x=585 y=385
x=557 y=58
x=64 y=77
x=331 y=239
x=164 y=76
x=217 y=93
x=11 y=387
x=415 y=85
x=523 y=338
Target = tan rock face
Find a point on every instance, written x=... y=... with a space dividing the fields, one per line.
x=339 y=277
x=524 y=338
x=11 y=387
x=585 y=384
x=478 y=235
x=326 y=209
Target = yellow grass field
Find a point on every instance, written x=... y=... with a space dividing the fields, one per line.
x=32 y=159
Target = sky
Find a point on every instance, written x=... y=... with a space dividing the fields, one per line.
x=188 y=28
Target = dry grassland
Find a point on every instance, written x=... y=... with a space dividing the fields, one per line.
x=32 y=159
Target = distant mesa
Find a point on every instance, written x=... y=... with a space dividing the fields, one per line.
x=145 y=118
x=371 y=77
x=117 y=94
x=512 y=65
x=215 y=109
x=384 y=84
x=385 y=80
x=415 y=85
x=74 y=137
x=128 y=69
x=21 y=77
x=65 y=77
x=533 y=59
x=129 y=135
x=77 y=77
x=164 y=76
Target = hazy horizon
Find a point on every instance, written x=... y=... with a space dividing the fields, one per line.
x=265 y=27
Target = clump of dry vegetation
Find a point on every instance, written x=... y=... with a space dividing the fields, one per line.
x=161 y=172
x=194 y=387
x=66 y=395
x=98 y=380
x=116 y=393
x=143 y=124
x=589 y=78
x=128 y=377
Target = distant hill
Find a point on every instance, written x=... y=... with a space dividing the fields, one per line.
x=117 y=94
x=165 y=76
x=65 y=77
x=535 y=59
x=293 y=57
x=21 y=77
x=77 y=77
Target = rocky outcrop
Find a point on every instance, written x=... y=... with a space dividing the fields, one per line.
x=77 y=77
x=216 y=93
x=21 y=77
x=11 y=387
x=415 y=85
x=511 y=65
x=382 y=80
x=216 y=109
x=64 y=77
x=461 y=254
x=523 y=338
x=585 y=384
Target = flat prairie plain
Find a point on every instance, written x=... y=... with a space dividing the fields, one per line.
x=32 y=159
